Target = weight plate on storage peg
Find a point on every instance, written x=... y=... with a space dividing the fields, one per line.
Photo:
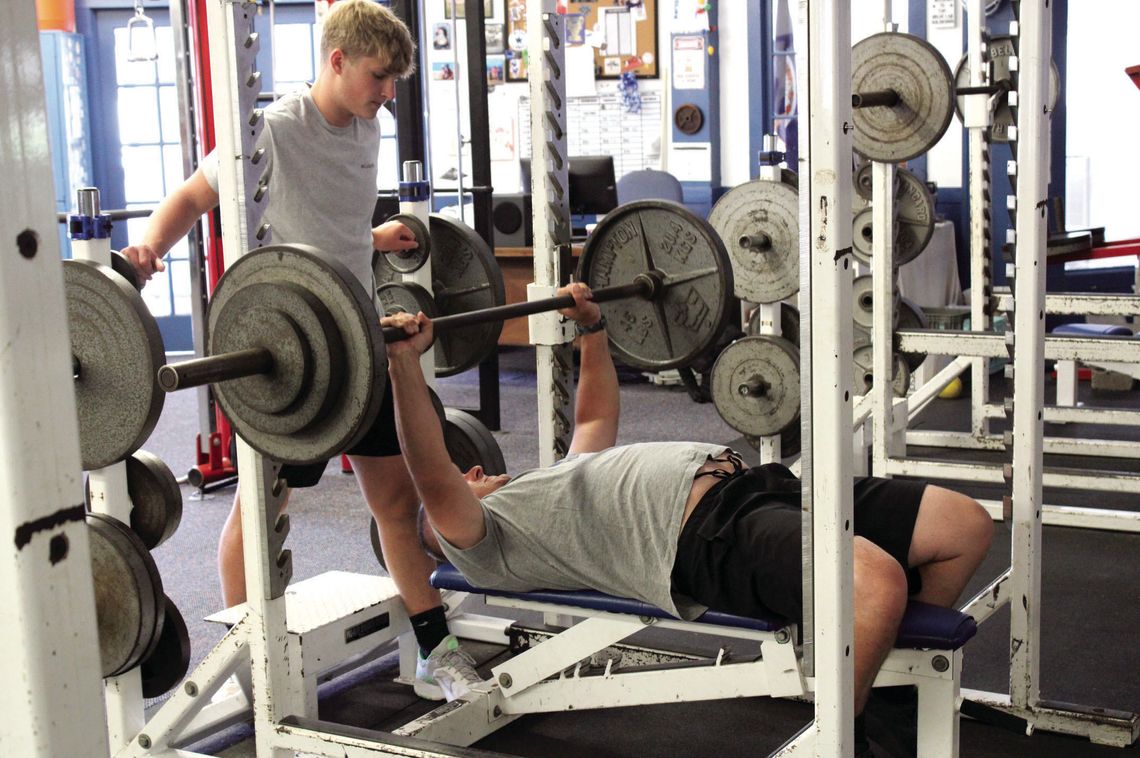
x=789 y=440
x=116 y=350
x=756 y=385
x=170 y=660
x=1000 y=49
x=321 y=326
x=470 y=443
x=862 y=305
x=407 y=261
x=405 y=297
x=789 y=323
x=695 y=299
x=759 y=222
x=128 y=594
x=124 y=268
x=916 y=71
x=465 y=277
x=914 y=219
x=156 y=498
x=865 y=377
x=910 y=316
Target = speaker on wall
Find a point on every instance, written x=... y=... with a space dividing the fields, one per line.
x=511 y=215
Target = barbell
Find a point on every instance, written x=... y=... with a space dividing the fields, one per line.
x=296 y=353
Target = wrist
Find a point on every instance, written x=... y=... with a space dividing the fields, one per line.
x=594 y=328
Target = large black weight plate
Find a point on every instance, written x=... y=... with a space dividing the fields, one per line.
x=697 y=292
x=769 y=273
x=1000 y=50
x=124 y=268
x=914 y=217
x=118 y=347
x=865 y=377
x=470 y=443
x=465 y=277
x=170 y=660
x=321 y=301
x=405 y=297
x=156 y=498
x=910 y=316
x=128 y=594
x=914 y=69
x=789 y=323
x=756 y=385
x=407 y=261
x=1069 y=243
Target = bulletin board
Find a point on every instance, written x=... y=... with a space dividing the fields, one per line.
x=623 y=34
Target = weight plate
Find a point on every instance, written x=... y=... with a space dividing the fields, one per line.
x=407 y=261
x=1000 y=50
x=862 y=301
x=405 y=297
x=789 y=323
x=789 y=440
x=170 y=660
x=790 y=178
x=465 y=277
x=124 y=268
x=128 y=594
x=756 y=385
x=116 y=343
x=914 y=218
x=759 y=222
x=695 y=301
x=311 y=287
x=296 y=327
x=914 y=69
x=910 y=316
x=470 y=443
x=865 y=377
x=156 y=498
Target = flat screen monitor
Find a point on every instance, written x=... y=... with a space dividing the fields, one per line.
x=593 y=188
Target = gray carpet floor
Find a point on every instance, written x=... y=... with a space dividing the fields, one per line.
x=1090 y=582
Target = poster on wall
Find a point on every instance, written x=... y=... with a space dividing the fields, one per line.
x=441 y=37
x=493 y=36
x=623 y=35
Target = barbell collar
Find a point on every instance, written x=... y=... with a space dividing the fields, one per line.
x=648 y=285
x=877 y=98
x=215 y=368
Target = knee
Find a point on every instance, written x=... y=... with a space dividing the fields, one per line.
x=880 y=582
x=977 y=527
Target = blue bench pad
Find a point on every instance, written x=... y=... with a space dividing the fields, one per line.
x=923 y=625
x=1094 y=330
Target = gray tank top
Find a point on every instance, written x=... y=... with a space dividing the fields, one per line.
x=607 y=521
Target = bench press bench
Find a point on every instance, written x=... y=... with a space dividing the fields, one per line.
x=1067 y=370
x=550 y=676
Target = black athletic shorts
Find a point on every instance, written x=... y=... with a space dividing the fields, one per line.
x=740 y=550
x=380 y=441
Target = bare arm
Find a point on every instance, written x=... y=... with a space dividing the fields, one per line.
x=597 y=403
x=453 y=509
x=170 y=222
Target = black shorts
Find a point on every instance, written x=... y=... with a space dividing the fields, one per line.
x=740 y=551
x=380 y=441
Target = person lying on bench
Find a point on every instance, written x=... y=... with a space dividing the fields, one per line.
x=684 y=526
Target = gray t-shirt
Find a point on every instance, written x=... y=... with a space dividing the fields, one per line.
x=607 y=521
x=322 y=180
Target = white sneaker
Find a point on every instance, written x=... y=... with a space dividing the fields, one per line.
x=446 y=673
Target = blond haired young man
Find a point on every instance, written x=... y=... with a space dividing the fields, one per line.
x=321 y=146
